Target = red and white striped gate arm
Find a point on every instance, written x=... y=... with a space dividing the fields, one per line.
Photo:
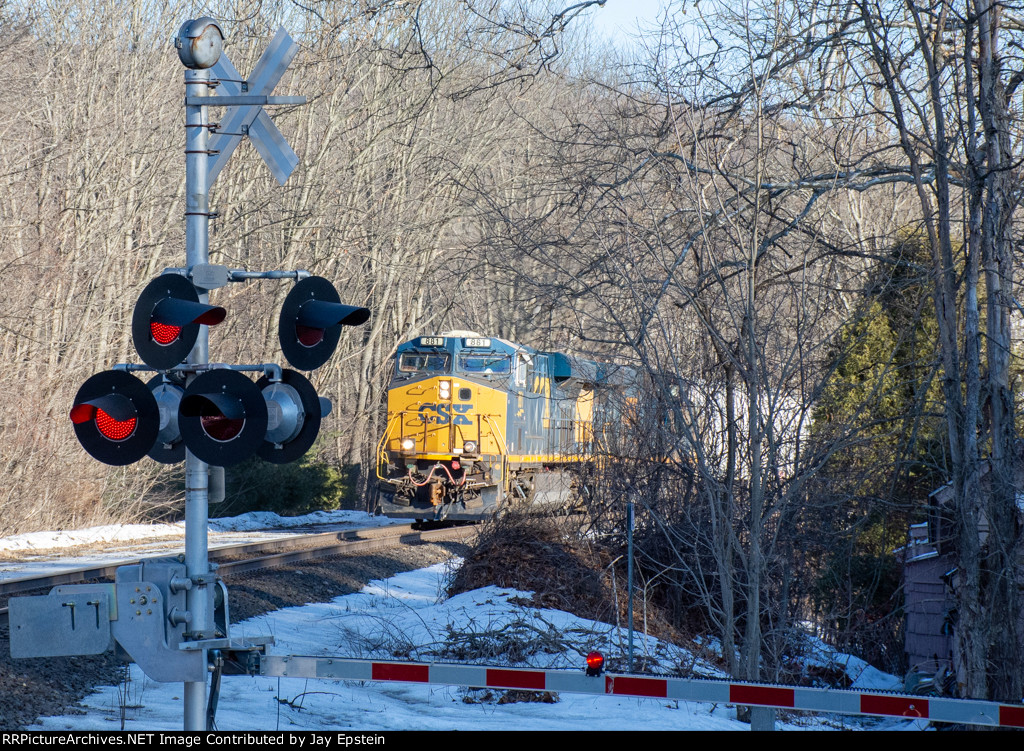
x=966 y=711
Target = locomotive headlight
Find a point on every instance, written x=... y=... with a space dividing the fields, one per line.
x=444 y=389
x=408 y=444
x=470 y=447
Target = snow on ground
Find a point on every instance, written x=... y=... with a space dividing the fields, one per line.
x=406 y=616
x=32 y=554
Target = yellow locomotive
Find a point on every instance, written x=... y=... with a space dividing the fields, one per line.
x=478 y=423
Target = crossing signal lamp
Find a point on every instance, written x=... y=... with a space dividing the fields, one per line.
x=165 y=324
x=222 y=417
x=218 y=414
x=311 y=321
x=115 y=418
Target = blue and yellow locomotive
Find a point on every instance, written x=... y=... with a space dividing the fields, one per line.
x=478 y=423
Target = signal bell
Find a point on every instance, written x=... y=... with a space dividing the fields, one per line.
x=116 y=418
x=311 y=321
x=165 y=324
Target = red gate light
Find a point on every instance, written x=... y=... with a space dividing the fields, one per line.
x=595 y=663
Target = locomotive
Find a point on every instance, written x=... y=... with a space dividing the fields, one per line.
x=476 y=424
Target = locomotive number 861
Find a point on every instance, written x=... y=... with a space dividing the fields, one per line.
x=477 y=423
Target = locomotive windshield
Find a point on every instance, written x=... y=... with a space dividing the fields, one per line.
x=424 y=362
x=487 y=364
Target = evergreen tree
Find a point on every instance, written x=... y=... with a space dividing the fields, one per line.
x=884 y=387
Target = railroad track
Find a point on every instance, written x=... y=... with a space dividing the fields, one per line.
x=246 y=557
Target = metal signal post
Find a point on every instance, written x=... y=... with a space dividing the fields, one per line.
x=197 y=472
x=172 y=617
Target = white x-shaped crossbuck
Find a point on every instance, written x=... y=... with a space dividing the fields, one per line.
x=251 y=119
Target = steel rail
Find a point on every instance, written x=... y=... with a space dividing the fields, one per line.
x=237 y=558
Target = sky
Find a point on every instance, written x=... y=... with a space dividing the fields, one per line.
x=408 y=614
x=620 y=18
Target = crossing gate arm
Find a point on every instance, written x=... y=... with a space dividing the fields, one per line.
x=837 y=701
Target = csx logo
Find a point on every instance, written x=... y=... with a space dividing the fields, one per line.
x=442 y=413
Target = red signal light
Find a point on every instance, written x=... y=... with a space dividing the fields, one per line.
x=222 y=417
x=221 y=428
x=116 y=418
x=309 y=336
x=110 y=427
x=115 y=430
x=163 y=333
x=595 y=663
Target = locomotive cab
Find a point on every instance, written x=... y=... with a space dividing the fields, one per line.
x=475 y=423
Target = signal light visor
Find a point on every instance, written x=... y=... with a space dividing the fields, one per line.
x=115 y=418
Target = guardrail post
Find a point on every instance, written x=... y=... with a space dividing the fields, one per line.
x=762 y=718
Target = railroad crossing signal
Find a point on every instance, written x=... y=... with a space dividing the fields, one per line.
x=165 y=324
x=217 y=413
x=221 y=416
x=210 y=416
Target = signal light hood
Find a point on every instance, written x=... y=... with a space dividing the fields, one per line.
x=115 y=418
x=311 y=321
x=167 y=303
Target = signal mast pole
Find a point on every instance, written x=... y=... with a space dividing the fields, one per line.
x=201 y=43
x=197 y=251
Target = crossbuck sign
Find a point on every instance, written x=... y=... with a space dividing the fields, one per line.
x=245 y=116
